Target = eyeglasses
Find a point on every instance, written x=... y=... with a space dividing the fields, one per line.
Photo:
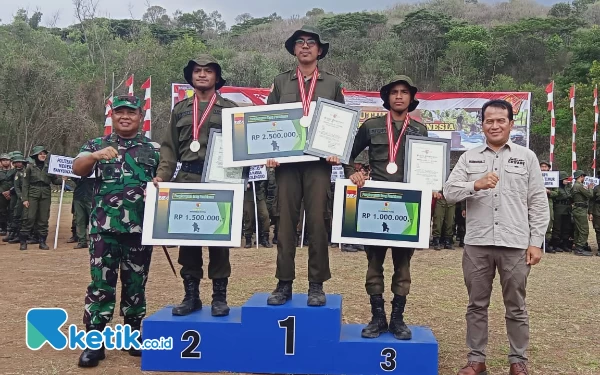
x=309 y=42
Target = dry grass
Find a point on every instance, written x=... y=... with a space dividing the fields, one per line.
x=563 y=301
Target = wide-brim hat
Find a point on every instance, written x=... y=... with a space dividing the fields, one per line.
x=37 y=150
x=5 y=156
x=579 y=173
x=18 y=157
x=385 y=92
x=562 y=175
x=308 y=30
x=545 y=163
x=204 y=60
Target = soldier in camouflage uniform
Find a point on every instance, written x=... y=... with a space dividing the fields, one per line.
x=552 y=193
x=7 y=174
x=581 y=198
x=179 y=145
x=37 y=197
x=124 y=162
x=263 y=215
x=562 y=225
x=19 y=163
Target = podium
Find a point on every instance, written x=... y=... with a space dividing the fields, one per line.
x=289 y=339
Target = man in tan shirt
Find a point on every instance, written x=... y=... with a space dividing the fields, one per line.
x=507 y=217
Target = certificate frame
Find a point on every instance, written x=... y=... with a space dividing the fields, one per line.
x=346 y=208
x=235 y=134
x=211 y=151
x=158 y=205
x=322 y=150
x=408 y=159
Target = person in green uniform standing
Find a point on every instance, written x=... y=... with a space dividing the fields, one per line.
x=563 y=207
x=37 y=197
x=19 y=163
x=443 y=224
x=186 y=141
x=581 y=199
x=7 y=174
x=272 y=202
x=386 y=159
x=82 y=205
x=552 y=193
x=594 y=214
x=263 y=215
x=308 y=181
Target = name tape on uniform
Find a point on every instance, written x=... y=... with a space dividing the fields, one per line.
x=258 y=173
x=337 y=171
x=551 y=179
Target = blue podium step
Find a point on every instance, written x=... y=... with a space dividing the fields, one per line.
x=289 y=339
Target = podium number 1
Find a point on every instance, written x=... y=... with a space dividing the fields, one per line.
x=289 y=324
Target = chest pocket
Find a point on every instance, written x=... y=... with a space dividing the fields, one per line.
x=184 y=127
x=145 y=159
x=516 y=177
x=475 y=172
x=215 y=120
x=110 y=171
x=379 y=147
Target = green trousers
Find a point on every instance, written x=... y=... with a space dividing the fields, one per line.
x=443 y=219
x=38 y=213
x=582 y=229
x=82 y=209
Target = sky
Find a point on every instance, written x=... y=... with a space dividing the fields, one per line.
x=229 y=9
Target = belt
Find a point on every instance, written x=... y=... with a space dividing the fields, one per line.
x=195 y=167
x=581 y=205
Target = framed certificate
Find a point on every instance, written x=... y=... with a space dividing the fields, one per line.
x=213 y=171
x=388 y=214
x=427 y=161
x=332 y=130
x=254 y=134
x=193 y=214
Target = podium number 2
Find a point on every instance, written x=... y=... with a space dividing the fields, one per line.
x=190 y=352
x=390 y=359
x=289 y=324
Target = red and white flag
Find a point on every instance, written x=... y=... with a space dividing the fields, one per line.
x=595 y=127
x=573 y=148
x=147 y=107
x=550 y=92
x=108 y=114
x=129 y=84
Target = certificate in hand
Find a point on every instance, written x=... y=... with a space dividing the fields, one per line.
x=213 y=171
x=332 y=131
x=427 y=161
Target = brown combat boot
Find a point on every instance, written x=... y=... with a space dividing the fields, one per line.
x=473 y=368
x=519 y=368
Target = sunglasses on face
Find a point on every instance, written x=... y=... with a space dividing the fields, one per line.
x=309 y=42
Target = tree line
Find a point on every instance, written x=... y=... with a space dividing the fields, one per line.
x=54 y=81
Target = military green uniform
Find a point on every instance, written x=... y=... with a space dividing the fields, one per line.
x=15 y=200
x=6 y=183
x=562 y=225
x=306 y=182
x=82 y=206
x=374 y=134
x=460 y=223
x=262 y=211
x=176 y=148
x=272 y=202
x=581 y=199
x=37 y=190
x=443 y=224
x=594 y=210
x=552 y=194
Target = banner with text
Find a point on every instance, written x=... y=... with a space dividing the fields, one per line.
x=61 y=166
x=450 y=115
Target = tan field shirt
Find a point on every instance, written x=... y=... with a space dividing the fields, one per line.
x=515 y=213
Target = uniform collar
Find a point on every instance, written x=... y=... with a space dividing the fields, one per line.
x=485 y=146
x=294 y=76
x=190 y=100
x=114 y=137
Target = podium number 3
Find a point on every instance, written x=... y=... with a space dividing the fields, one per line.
x=289 y=324
x=390 y=359
x=190 y=352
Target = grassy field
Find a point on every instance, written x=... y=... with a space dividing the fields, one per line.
x=563 y=302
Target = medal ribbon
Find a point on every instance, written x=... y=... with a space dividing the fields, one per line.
x=393 y=149
x=196 y=126
x=306 y=99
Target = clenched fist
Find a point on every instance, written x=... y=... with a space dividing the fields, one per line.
x=358 y=179
x=488 y=181
x=272 y=163
x=106 y=154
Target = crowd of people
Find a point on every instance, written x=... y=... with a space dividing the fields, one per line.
x=494 y=202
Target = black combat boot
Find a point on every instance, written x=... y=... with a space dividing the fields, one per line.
x=556 y=245
x=136 y=325
x=43 y=245
x=461 y=243
x=316 y=296
x=281 y=294
x=90 y=357
x=435 y=243
x=582 y=251
x=248 y=242
x=33 y=240
x=275 y=230
x=3 y=231
x=10 y=236
x=191 y=302
x=219 y=298
x=16 y=238
x=378 y=323
x=264 y=241
x=81 y=245
x=23 y=239
x=397 y=325
x=448 y=243
x=549 y=248
x=73 y=239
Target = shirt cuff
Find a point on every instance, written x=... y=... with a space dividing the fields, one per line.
x=537 y=241
x=470 y=188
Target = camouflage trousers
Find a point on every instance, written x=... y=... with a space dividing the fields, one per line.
x=110 y=253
